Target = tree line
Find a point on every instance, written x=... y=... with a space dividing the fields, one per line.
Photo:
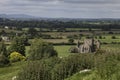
x=61 y=24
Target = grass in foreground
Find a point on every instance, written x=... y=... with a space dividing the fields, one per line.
x=7 y=73
x=81 y=76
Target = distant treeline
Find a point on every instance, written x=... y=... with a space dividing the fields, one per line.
x=104 y=25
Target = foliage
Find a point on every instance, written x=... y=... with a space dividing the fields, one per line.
x=3 y=50
x=3 y=55
x=3 y=60
x=113 y=37
x=102 y=64
x=17 y=45
x=107 y=65
x=61 y=24
x=72 y=64
x=32 y=33
x=15 y=57
x=55 y=68
x=40 y=49
x=100 y=37
x=38 y=70
x=71 y=41
x=25 y=40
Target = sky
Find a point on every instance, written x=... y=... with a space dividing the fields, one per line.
x=62 y=8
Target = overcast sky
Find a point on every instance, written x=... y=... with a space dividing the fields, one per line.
x=63 y=8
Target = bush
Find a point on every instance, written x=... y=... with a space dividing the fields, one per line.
x=15 y=57
x=55 y=68
x=38 y=70
x=100 y=37
x=113 y=37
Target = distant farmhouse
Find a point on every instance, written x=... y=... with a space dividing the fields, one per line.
x=5 y=38
x=6 y=27
x=89 y=46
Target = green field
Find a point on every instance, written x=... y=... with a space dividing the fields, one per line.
x=63 y=51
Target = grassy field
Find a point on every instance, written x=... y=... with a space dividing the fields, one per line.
x=63 y=51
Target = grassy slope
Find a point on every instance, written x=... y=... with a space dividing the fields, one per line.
x=7 y=73
x=81 y=76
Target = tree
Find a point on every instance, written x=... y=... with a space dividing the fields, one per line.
x=32 y=32
x=25 y=40
x=3 y=55
x=3 y=50
x=71 y=40
x=17 y=45
x=40 y=49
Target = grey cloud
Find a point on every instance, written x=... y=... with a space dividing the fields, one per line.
x=81 y=1
x=63 y=8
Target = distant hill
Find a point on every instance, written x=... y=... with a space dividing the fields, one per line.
x=16 y=16
x=29 y=17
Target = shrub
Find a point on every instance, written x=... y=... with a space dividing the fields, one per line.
x=38 y=70
x=100 y=37
x=15 y=56
x=113 y=37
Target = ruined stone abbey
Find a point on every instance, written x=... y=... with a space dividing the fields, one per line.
x=88 y=46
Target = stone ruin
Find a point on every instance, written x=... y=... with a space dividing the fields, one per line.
x=88 y=46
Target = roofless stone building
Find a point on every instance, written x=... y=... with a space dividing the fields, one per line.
x=88 y=46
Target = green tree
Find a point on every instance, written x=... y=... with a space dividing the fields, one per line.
x=25 y=40
x=17 y=45
x=3 y=49
x=40 y=49
x=71 y=40
x=3 y=55
x=32 y=33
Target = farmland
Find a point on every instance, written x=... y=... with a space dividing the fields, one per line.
x=48 y=42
